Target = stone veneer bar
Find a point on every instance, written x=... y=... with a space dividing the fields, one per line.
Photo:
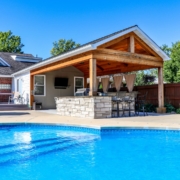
x=94 y=107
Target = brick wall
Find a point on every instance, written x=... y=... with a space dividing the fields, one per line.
x=5 y=80
x=4 y=98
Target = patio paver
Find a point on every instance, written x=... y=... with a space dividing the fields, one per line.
x=165 y=121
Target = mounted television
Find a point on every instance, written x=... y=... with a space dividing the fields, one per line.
x=60 y=83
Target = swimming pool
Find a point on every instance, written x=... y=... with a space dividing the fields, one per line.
x=34 y=152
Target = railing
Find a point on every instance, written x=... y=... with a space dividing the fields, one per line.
x=4 y=95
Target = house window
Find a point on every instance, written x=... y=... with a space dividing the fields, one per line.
x=17 y=85
x=39 y=85
x=3 y=63
x=78 y=83
x=5 y=86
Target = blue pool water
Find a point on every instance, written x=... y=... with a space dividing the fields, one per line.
x=54 y=153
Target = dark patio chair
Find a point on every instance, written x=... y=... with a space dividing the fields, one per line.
x=140 y=104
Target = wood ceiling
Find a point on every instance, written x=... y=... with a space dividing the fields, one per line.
x=124 y=44
x=105 y=67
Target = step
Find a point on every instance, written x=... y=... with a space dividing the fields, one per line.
x=6 y=107
x=20 y=152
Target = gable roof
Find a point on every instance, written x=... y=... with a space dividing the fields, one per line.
x=12 y=65
x=95 y=43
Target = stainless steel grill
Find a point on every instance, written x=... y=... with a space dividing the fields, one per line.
x=82 y=92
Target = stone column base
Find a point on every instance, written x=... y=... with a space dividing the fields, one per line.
x=161 y=110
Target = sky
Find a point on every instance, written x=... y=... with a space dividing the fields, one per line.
x=41 y=22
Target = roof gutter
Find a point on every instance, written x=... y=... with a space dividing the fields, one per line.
x=6 y=76
x=57 y=58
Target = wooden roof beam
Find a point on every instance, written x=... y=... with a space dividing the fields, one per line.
x=61 y=64
x=99 y=67
x=132 y=44
x=125 y=64
x=127 y=57
x=106 y=45
x=116 y=71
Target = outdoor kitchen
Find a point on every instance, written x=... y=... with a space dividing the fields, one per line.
x=99 y=106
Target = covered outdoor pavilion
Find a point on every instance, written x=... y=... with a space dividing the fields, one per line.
x=124 y=51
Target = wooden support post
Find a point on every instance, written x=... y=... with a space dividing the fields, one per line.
x=85 y=82
x=92 y=76
x=160 y=87
x=161 y=108
x=131 y=45
x=31 y=90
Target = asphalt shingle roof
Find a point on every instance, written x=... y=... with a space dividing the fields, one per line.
x=93 y=42
x=14 y=65
x=108 y=36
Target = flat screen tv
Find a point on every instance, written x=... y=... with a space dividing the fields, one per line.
x=60 y=83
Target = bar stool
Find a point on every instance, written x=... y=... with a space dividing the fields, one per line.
x=116 y=101
x=129 y=100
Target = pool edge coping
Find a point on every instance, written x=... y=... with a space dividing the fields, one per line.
x=94 y=127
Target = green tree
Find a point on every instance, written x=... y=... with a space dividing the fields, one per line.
x=166 y=49
x=139 y=78
x=146 y=77
x=178 y=76
x=153 y=72
x=63 y=46
x=172 y=67
x=10 y=42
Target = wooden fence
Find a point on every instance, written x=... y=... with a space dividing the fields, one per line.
x=171 y=93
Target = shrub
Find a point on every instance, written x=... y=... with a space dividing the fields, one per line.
x=150 y=107
x=169 y=107
x=178 y=111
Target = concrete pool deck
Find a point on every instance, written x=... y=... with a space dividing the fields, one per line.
x=163 y=121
